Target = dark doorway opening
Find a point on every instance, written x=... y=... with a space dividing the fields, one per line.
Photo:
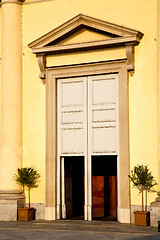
x=74 y=185
x=104 y=187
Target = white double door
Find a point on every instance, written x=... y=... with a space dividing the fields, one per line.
x=87 y=125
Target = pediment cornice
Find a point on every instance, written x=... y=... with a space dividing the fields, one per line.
x=53 y=42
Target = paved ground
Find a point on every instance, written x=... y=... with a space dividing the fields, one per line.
x=75 y=230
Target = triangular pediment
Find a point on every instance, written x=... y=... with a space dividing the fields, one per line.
x=83 y=35
x=83 y=32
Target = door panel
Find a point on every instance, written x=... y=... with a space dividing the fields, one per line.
x=72 y=116
x=88 y=115
x=103 y=114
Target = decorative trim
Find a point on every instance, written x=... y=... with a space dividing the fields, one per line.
x=130 y=59
x=42 y=66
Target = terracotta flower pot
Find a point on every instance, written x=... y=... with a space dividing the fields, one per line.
x=142 y=218
x=25 y=214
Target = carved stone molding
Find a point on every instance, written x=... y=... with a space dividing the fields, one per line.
x=8 y=196
x=42 y=65
x=130 y=59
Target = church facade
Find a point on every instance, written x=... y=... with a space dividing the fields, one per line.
x=80 y=100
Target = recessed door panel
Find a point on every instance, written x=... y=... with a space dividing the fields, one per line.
x=103 y=89
x=103 y=114
x=72 y=116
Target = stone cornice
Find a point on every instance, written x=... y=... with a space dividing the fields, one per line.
x=83 y=46
x=81 y=20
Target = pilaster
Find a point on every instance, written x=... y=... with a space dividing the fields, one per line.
x=11 y=105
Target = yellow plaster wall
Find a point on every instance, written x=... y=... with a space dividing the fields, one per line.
x=33 y=121
x=0 y=34
x=40 y=18
x=0 y=67
x=86 y=57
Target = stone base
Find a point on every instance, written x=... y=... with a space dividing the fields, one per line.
x=155 y=216
x=50 y=213
x=9 y=202
x=155 y=210
x=123 y=215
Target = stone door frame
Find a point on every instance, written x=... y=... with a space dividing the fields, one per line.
x=52 y=172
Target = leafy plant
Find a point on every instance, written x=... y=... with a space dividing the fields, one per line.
x=142 y=179
x=27 y=177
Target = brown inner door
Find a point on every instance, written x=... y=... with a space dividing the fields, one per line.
x=104 y=186
x=113 y=196
x=98 y=196
x=74 y=186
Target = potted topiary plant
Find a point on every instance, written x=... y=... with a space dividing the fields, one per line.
x=28 y=178
x=142 y=179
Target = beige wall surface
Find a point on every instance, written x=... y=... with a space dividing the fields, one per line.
x=41 y=17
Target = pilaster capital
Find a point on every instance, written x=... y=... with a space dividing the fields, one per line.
x=11 y=1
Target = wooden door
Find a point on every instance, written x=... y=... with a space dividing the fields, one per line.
x=98 y=196
x=68 y=189
x=104 y=190
x=113 y=196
